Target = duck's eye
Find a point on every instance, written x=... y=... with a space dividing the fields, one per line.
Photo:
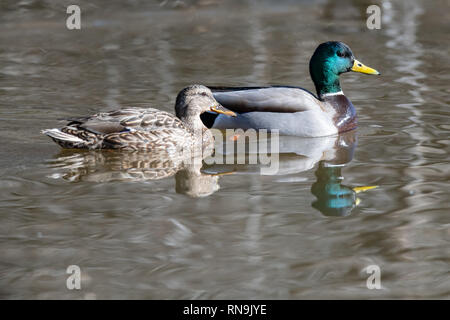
x=340 y=54
x=204 y=94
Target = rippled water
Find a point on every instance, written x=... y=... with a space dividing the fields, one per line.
x=224 y=231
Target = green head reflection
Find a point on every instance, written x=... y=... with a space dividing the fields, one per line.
x=333 y=197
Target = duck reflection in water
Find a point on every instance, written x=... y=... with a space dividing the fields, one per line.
x=195 y=179
x=334 y=198
x=297 y=155
x=111 y=165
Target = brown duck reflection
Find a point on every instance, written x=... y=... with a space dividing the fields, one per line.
x=112 y=165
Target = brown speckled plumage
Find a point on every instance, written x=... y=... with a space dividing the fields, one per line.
x=144 y=129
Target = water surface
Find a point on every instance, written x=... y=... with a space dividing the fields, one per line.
x=195 y=234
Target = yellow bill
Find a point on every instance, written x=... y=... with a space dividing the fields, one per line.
x=218 y=174
x=364 y=188
x=359 y=67
x=218 y=108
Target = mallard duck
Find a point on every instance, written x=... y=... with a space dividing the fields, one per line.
x=145 y=128
x=294 y=110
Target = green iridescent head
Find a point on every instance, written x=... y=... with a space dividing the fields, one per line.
x=330 y=60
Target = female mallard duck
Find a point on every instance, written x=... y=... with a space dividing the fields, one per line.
x=145 y=128
x=293 y=110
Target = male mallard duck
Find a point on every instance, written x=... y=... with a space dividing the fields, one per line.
x=293 y=110
x=145 y=128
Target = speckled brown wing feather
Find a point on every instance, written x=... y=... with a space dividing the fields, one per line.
x=135 y=118
x=168 y=139
x=129 y=128
x=91 y=140
x=152 y=119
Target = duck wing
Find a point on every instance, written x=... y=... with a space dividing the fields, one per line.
x=140 y=119
x=129 y=128
x=170 y=140
x=281 y=99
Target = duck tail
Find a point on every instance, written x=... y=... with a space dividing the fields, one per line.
x=65 y=140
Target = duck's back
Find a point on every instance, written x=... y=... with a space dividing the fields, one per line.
x=128 y=128
x=281 y=99
x=290 y=110
x=145 y=119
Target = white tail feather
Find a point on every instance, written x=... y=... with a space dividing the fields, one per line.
x=59 y=135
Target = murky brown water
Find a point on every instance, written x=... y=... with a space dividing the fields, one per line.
x=244 y=235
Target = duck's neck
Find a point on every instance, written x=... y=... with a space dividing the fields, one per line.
x=329 y=91
x=327 y=83
x=193 y=123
